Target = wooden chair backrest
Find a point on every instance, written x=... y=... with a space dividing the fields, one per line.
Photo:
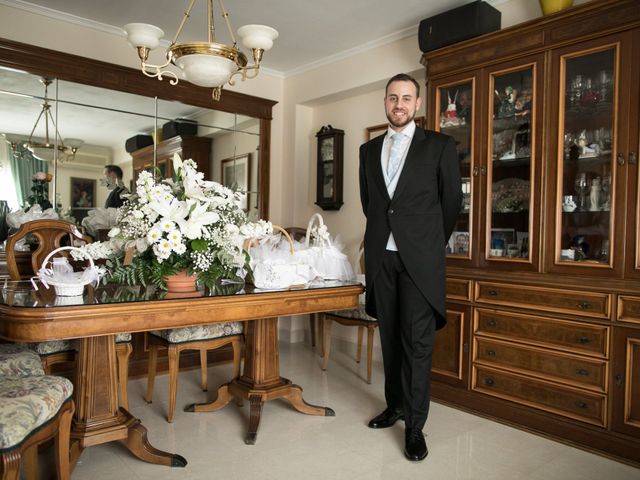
x=51 y=234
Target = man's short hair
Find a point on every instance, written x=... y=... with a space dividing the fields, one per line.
x=403 y=77
x=114 y=169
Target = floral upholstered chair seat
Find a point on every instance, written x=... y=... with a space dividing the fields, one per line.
x=200 y=332
x=123 y=337
x=357 y=313
x=27 y=403
x=53 y=346
x=19 y=361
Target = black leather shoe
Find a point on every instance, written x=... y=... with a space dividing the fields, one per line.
x=415 y=447
x=386 y=419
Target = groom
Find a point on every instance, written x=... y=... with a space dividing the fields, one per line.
x=411 y=194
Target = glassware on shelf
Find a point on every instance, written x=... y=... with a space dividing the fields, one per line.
x=594 y=195
x=582 y=186
x=604 y=250
x=605 y=197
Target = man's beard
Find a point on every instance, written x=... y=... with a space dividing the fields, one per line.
x=400 y=125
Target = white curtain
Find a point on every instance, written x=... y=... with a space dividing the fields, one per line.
x=7 y=179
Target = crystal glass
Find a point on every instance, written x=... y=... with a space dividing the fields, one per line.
x=581 y=186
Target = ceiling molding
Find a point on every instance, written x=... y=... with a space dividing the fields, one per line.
x=62 y=16
x=365 y=47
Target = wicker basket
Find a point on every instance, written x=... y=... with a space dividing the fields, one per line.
x=64 y=289
x=279 y=273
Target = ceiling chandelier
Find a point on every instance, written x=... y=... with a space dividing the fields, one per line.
x=48 y=150
x=207 y=64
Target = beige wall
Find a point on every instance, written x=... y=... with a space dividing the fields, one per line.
x=347 y=94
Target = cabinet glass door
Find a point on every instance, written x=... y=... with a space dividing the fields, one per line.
x=587 y=170
x=510 y=165
x=455 y=117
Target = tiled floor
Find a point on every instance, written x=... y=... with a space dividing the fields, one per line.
x=295 y=446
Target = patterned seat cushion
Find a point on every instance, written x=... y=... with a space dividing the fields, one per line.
x=355 y=313
x=201 y=332
x=19 y=361
x=123 y=338
x=26 y=403
x=53 y=346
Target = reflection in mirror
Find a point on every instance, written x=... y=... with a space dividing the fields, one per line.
x=118 y=128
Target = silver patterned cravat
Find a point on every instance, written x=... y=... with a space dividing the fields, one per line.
x=395 y=157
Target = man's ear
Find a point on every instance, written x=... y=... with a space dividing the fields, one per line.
x=418 y=103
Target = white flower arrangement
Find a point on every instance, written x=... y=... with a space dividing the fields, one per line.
x=186 y=223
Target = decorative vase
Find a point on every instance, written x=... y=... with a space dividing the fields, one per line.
x=181 y=282
x=553 y=6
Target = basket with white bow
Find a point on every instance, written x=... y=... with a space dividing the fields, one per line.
x=277 y=266
x=57 y=272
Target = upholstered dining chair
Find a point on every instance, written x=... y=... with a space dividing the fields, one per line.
x=356 y=317
x=34 y=409
x=299 y=234
x=52 y=234
x=202 y=338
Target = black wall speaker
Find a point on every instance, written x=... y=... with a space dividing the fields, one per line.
x=137 y=142
x=462 y=23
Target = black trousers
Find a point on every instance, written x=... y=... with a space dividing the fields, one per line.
x=407 y=333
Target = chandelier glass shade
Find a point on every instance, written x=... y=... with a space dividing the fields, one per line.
x=207 y=64
x=49 y=149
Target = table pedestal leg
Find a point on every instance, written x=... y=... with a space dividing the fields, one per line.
x=260 y=380
x=97 y=418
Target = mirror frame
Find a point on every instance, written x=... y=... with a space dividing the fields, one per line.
x=74 y=68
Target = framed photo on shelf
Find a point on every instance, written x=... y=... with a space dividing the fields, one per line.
x=83 y=192
x=458 y=244
x=235 y=174
x=501 y=238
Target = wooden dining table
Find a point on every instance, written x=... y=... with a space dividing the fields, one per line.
x=27 y=315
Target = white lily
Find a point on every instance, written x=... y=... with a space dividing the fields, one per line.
x=177 y=163
x=198 y=218
x=173 y=210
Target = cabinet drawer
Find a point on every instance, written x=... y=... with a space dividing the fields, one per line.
x=567 y=336
x=573 y=403
x=629 y=309
x=458 y=289
x=590 y=304
x=577 y=371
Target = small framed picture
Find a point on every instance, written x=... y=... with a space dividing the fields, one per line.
x=376 y=131
x=235 y=174
x=501 y=238
x=83 y=192
x=458 y=244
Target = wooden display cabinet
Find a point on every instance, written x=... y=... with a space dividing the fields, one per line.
x=196 y=148
x=545 y=116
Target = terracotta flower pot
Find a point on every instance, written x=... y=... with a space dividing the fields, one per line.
x=181 y=282
x=553 y=6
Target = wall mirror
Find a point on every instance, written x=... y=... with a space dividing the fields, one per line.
x=98 y=106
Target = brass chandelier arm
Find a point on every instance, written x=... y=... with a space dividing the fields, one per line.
x=155 y=71
x=246 y=73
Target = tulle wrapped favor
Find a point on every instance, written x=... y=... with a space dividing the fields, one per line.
x=322 y=253
x=100 y=219
x=275 y=264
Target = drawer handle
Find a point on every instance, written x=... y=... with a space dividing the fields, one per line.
x=584 y=305
x=584 y=372
x=493 y=293
x=492 y=323
x=491 y=353
x=490 y=382
x=584 y=340
x=581 y=404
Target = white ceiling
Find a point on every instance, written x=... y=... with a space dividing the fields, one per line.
x=310 y=31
